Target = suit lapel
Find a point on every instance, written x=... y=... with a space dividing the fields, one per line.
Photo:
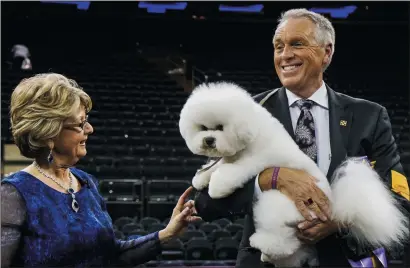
x=279 y=108
x=340 y=121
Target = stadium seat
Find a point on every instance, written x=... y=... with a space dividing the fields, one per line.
x=226 y=248
x=198 y=223
x=130 y=227
x=189 y=234
x=217 y=234
x=234 y=228
x=138 y=232
x=119 y=234
x=240 y=221
x=209 y=227
x=222 y=222
x=173 y=250
x=155 y=227
x=120 y=222
x=199 y=249
x=146 y=222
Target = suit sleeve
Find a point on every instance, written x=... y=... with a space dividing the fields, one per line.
x=385 y=156
x=238 y=204
x=386 y=159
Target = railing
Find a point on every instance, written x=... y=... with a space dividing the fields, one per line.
x=177 y=61
x=198 y=77
x=179 y=65
x=147 y=195
x=163 y=195
x=11 y=159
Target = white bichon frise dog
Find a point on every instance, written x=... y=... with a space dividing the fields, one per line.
x=222 y=120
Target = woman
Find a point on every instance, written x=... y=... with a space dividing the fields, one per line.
x=52 y=213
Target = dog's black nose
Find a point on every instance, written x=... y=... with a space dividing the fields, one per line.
x=209 y=141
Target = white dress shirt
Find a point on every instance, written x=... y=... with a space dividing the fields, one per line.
x=320 y=113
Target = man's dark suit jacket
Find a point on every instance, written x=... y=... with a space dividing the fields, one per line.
x=367 y=132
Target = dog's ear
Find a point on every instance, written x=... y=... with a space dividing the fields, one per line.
x=247 y=124
x=185 y=124
x=246 y=133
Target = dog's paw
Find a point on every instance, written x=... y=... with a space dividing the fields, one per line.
x=201 y=180
x=253 y=241
x=223 y=181
x=275 y=246
x=266 y=258
x=219 y=189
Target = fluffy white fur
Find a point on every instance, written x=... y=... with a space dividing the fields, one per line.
x=249 y=139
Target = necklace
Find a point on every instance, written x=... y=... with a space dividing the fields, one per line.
x=70 y=190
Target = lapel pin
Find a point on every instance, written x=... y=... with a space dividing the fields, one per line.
x=343 y=123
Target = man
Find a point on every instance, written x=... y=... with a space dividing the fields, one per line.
x=304 y=43
x=21 y=57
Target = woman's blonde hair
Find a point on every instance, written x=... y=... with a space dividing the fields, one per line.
x=39 y=106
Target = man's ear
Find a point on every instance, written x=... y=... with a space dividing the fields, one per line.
x=328 y=54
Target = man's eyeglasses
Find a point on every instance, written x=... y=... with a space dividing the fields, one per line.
x=75 y=126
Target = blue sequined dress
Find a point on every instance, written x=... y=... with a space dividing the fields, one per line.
x=40 y=229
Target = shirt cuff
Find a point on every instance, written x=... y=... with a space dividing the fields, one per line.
x=257 y=191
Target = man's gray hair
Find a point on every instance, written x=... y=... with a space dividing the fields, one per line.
x=325 y=33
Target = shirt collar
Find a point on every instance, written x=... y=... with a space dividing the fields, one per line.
x=319 y=97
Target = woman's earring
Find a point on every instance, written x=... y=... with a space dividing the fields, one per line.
x=50 y=157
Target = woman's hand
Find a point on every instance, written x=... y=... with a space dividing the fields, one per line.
x=300 y=187
x=181 y=217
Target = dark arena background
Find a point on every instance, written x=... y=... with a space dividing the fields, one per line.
x=139 y=60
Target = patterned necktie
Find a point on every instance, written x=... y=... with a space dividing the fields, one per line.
x=305 y=130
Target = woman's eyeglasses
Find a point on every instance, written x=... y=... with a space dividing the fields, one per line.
x=75 y=126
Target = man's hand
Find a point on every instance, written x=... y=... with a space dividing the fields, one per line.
x=313 y=232
x=301 y=188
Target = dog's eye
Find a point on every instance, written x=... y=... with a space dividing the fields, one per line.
x=204 y=128
x=220 y=127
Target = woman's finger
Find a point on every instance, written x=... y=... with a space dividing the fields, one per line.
x=193 y=218
x=183 y=197
x=181 y=216
x=190 y=204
